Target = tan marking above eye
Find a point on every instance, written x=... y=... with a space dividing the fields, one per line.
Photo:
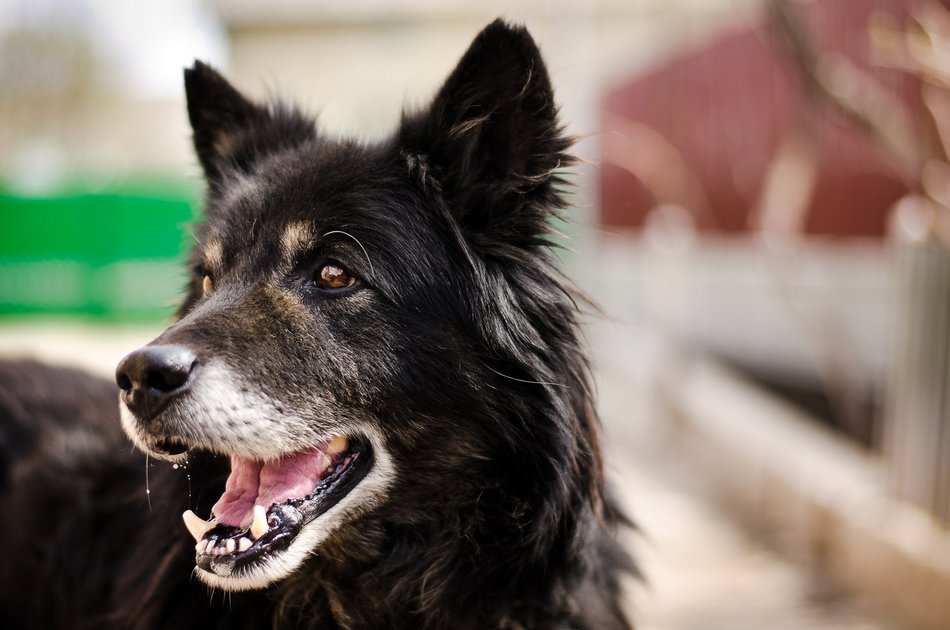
x=332 y=276
x=207 y=284
x=295 y=238
x=213 y=257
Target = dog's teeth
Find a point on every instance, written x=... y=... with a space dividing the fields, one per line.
x=259 y=526
x=243 y=543
x=196 y=525
x=230 y=545
x=201 y=546
x=325 y=464
x=337 y=445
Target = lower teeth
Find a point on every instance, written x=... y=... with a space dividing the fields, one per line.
x=220 y=547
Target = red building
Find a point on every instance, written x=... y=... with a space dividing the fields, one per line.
x=701 y=130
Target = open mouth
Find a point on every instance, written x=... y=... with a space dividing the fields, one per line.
x=266 y=504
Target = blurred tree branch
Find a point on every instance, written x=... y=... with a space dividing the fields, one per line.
x=919 y=146
x=835 y=82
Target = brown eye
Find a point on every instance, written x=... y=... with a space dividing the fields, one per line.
x=331 y=276
x=207 y=284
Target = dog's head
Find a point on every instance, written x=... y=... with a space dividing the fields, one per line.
x=372 y=327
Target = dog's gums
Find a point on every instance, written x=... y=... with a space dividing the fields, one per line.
x=265 y=505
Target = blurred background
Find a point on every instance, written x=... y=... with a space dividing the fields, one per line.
x=762 y=211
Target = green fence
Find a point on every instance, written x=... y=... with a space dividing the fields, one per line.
x=115 y=256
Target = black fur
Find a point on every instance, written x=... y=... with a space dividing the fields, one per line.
x=459 y=343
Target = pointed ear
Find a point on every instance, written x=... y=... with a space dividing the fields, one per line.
x=491 y=137
x=232 y=132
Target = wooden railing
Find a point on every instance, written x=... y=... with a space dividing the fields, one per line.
x=917 y=417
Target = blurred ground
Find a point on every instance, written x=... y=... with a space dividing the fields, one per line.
x=94 y=347
x=703 y=571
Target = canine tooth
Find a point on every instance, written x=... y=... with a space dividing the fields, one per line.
x=337 y=445
x=196 y=525
x=230 y=545
x=259 y=526
x=201 y=546
x=243 y=543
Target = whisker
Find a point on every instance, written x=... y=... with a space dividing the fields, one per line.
x=365 y=253
x=521 y=380
x=148 y=490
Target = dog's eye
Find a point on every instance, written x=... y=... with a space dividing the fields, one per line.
x=331 y=276
x=207 y=284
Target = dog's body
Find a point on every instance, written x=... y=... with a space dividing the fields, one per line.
x=376 y=337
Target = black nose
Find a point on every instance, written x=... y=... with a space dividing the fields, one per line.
x=153 y=375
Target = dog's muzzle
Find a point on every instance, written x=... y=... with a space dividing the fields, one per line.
x=152 y=376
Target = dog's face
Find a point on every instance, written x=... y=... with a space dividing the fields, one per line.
x=348 y=307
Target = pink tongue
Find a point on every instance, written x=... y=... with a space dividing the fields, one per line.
x=255 y=483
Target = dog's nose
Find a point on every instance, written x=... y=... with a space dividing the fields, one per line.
x=151 y=376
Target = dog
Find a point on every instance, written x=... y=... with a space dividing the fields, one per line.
x=373 y=404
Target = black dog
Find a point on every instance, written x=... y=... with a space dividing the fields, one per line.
x=374 y=394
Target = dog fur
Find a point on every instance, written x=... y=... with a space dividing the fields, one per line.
x=455 y=353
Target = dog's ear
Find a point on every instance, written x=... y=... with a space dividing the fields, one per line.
x=491 y=139
x=232 y=132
